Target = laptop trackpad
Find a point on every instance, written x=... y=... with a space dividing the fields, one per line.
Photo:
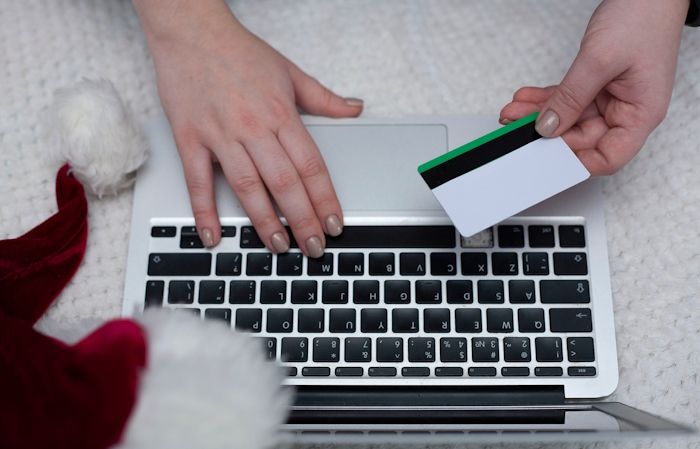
x=373 y=167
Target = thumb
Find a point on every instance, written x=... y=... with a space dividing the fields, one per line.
x=315 y=98
x=581 y=84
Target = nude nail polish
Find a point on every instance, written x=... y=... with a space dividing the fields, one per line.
x=280 y=242
x=354 y=102
x=314 y=249
x=207 y=237
x=547 y=123
x=333 y=225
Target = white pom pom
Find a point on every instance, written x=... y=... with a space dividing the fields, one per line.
x=92 y=130
x=205 y=387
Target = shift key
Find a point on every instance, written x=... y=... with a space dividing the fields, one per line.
x=179 y=264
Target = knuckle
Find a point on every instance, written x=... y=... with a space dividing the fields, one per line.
x=312 y=167
x=265 y=223
x=249 y=123
x=567 y=97
x=280 y=109
x=246 y=184
x=305 y=224
x=282 y=180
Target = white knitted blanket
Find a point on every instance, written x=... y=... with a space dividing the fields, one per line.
x=402 y=57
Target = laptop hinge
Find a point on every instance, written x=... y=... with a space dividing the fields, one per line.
x=393 y=396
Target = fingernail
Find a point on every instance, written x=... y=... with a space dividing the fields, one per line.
x=314 y=249
x=504 y=121
x=207 y=237
x=333 y=225
x=547 y=123
x=354 y=102
x=280 y=242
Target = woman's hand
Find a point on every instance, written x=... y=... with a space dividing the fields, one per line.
x=617 y=89
x=231 y=97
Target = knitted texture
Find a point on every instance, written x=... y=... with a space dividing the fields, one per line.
x=401 y=57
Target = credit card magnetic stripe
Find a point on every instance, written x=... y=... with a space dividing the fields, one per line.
x=479 y=152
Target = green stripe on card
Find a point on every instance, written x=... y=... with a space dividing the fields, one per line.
x=477 y=143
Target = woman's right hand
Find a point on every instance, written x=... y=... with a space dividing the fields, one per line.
x=231 y=97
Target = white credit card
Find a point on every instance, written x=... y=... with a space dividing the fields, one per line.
x=500 y=174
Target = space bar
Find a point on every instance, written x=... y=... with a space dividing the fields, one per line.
x=394 y=237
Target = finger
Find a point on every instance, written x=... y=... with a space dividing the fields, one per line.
x=314 y=98
x=307 y=159
x=531 y=94
x=199 y=176
x=243 y=177
x=283 y=181
x=586 y=134
x=582 y=83
x=515 y=110
x=617 y=147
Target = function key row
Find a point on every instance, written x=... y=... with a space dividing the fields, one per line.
x=440 y=371
x=541 y=236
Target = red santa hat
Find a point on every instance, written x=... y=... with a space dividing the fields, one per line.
x=159 y=380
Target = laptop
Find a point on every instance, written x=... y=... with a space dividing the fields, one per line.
x=404 y=331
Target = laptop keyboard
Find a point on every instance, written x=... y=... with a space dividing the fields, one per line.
x=394 y=301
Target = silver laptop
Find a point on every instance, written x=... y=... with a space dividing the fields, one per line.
x=404 y=331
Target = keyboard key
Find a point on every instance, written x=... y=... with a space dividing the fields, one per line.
x=443 y=264
x=189 y=311
x=490 y=292
x=326 y=349
x=322 y=266
x=570 y=264
x=449 y=371
x=515 y=371
x=289 y=264
x=250 y=239
x=315 y=371
x=304 y=292
x=521 y=292
x=428 y=292
x=468 y=320
x=499 y=320
x=516 y=349
x=373 y=320
x=570 y=320
x=342 y=320
x=311 y=320
x=270 y=347
x=504 y=263
x=280 y=320
x=273 y=292
x=218 y=315
x=389 y=350
x=421 y=349
x=548 y=349
x=415 y=372
x=436 y=320
x=511 y=236
x=349 y=371
x=412 y=264
x=241 y=292
x=154 y=293
x=181 y=292
x=382 y=371
x=453 y=349
x=351 y=264
x=577 y=371
x=211 y=292
x=358 y=349
x=580 y=349
x=460 y=292
x=531 y=320
x=179 y=264
x=548 y=371
x=564 y=292
x=474 y=264
x=397 y=292
x=394 y=237
x=365 y=292
x=291 y=371
x=536 y=264
x=541 y=236
x=335 y=292
x=404 y=320
x=572 y=236
x=249 y=320
x=485 y=349
x=228 y=264
x=258 y=264
x=189 y=239
x=163 y=231
x=228 y=232
x=295 y=349
x=381 y=264
x=481 y=371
